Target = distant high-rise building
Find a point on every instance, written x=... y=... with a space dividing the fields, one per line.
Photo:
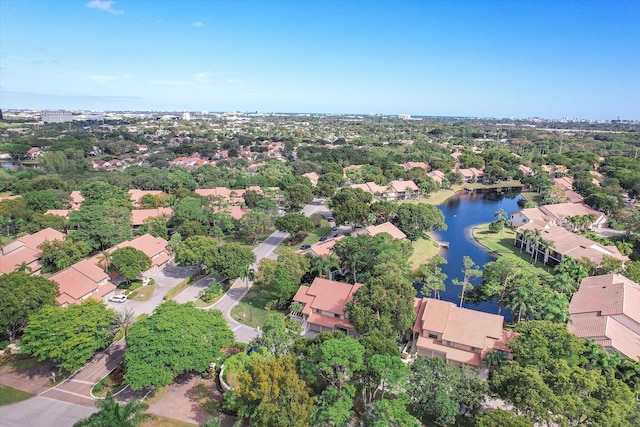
x=186 y=116
x=56 y=116
x=1 y=114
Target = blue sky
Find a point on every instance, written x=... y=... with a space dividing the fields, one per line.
x=453 y=58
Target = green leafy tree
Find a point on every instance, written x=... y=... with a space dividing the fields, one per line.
x=272 y=394
x=69 y=335
x=293 y=223
x=43 y=200
x=100 y=226
x=298 y=195
x=194 y=250
x=112 y=414
x=351 y=212
x=501 y=418
x=283 y=275
x=176 y=338
x=278 y=333
x=415 y=220
x=255 y=223
x=104 y=194
x=60 y=254
x=388 y=413
x=130 y=262
x=439 y=391
x=21 y=295
x=384 y=303
x=229 y=260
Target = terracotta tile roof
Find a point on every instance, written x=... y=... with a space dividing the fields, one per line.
x=386 y=227
x=570 y=244
x=410 y=165
x=562 y=210
x=25 y=249
x=153 y=247
x=135 y=195
x=139 y=215
x=324 y=249
x=60 y=212
x=461 y=326
x=36 y=239
x=76 y=198
x=607 y=308
x=437 y=176
x=451 y=354
x=404 y=185
x=78 y=281
x=326 y=295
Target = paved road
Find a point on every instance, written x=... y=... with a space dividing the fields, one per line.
x=43 y=411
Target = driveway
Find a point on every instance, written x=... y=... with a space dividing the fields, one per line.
x=165 y=280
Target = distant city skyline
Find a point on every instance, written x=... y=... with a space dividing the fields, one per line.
x=520 y=59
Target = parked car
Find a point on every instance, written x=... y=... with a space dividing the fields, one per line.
x=303 y=247
x=120 y=298
x=323 y=238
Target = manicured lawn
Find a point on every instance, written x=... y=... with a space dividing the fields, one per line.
x=144 y=293
x=10 y=395
x=502 y=244
x=423 y=250
x=250 y=310
x=436 y=198
x=531 y=196
x=311 y=238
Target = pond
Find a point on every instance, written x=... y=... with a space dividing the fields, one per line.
x=462 y=212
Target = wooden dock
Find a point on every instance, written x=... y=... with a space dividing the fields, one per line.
x=444 y=244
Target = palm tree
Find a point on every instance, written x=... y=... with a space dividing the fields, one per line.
x=246 y=274
x=524 y=237
x=23 y=268
x=122 y=321
x=494 y=360
x=112 y=414
x=534 y=242
x=104 y=260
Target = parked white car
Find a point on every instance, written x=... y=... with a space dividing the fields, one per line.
x=118 y=298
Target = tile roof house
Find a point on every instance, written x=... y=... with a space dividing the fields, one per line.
x=558 y=214
x=470 y=174
x=135 y=195
x=563 y=243
x=154 y=247
x=82 y=280
x=139 y=215
x=25 y=249
x=313 y=177
x=76 y=200
x=385 y=227
x=565 y=185
x=607 y=309
x=394 y=190
x=410 y=165
x=457 y=335
x=323 y=306
x=437 y=176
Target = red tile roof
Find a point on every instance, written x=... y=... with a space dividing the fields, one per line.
x=327 y=296
x=139 y=215
x=607 y=308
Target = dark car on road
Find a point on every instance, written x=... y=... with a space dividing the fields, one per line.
x=303 y=247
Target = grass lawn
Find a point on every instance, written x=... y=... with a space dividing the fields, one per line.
x=144 y=293
x=311 y=238
x=502 y=244
x=423 y=250
x=436 y=198
x=250 y=310
x=21 y=362
x=10 y=395
x=203 y=397
x=531 y=196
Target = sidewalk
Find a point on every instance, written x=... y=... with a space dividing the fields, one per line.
x=77 y=388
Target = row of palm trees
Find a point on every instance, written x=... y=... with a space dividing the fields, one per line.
x=537 y=244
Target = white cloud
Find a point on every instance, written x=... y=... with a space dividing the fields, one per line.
x=104 y=6
x=101 y=79
x=198 y=24
x=202 y=78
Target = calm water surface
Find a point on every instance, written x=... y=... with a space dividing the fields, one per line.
x=462 y=212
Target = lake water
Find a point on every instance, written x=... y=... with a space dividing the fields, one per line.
x=462 y=212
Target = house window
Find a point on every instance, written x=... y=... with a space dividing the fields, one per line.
x=433 y=336
x=449 y=343
x=336 y=315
